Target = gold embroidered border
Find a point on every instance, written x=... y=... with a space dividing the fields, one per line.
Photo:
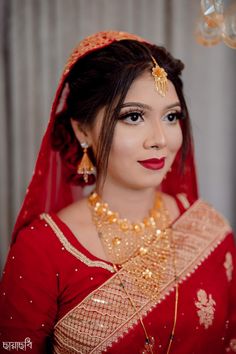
x=97 y=41
x=70 y=248
x=107 y=314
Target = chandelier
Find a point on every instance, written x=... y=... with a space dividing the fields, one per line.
x=217 y=23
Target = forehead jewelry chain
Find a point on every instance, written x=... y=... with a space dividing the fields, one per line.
x=160 y=77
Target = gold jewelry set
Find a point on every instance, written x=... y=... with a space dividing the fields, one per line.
x=85 y=166
x=123 y=239
x=145 y=250
x=142 y=249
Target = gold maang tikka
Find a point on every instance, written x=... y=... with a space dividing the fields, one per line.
x=85 y=166
x=160 y=77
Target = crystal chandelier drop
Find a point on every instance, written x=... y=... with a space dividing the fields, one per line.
x=217 y=23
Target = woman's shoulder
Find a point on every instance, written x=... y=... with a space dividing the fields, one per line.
x=34 y=250
x=77 y=218
x=42 y=229
x=36 y=232
x=77 y=211
x=207 y=212
x=202 y=215
x=198 y=211
x=38 y=239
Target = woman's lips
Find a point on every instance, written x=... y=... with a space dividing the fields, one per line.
x=153 y=164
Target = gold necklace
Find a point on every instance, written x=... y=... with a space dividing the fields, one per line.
x=123 y=239
x=144 y=250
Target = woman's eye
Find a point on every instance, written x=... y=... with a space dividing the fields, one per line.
x=132 y=118
x=172 y=117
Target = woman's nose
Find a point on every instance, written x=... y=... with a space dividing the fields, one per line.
x=156 y=136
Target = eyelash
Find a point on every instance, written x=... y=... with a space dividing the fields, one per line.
x=131 y=114
x=177 y=116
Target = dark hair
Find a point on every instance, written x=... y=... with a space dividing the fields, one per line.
x=102 y=79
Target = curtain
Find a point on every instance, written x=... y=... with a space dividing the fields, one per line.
x=36 y=38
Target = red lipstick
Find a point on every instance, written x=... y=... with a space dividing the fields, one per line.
x=153 y=164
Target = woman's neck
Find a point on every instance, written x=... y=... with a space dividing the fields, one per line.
x=133 y=205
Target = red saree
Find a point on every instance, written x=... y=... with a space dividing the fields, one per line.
x=70 y=301
x=56 y=297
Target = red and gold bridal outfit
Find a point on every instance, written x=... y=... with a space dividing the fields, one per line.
x=65 y=300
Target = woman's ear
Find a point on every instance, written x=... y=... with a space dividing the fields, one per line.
x=80 y=133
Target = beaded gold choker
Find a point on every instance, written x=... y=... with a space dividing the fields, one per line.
x=123 y=239
x=160 y=77
x=143 y=249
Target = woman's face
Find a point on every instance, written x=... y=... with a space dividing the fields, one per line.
x=146 y=137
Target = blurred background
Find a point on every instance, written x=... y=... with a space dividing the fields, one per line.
x=36 y=37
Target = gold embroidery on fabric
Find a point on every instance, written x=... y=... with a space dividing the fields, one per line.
x=228 y=264
x=183 y=199
x=97 y=41
x=206 y=308
x=70 y=248
x=106 y=314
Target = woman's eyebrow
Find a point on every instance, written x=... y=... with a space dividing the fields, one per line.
x=136 y=104
x=145 y=106
x=176 y=104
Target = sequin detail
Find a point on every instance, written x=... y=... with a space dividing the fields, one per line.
x=232 y=345
x=97 y=41
x=206 y=308
x=106 y=315
x=228 y=264
x=70 y=248
x=183 y=199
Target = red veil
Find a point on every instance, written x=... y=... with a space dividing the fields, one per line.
x=49 y=191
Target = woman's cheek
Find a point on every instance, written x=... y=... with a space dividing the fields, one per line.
x=125 y=143
x=175 y=139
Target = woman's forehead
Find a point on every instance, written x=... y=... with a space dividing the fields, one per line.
x=143 y=90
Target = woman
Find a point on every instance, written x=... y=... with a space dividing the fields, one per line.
x=141 y=265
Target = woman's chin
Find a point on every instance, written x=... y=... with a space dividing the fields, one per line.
x=145 y=183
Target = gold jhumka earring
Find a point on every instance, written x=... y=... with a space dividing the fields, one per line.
x=85 y=166
x=160 y=77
